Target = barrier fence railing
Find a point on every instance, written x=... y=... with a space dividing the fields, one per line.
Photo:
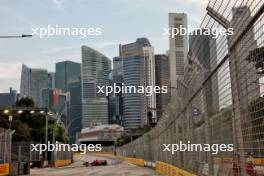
x=5 y=151
x=220 y=99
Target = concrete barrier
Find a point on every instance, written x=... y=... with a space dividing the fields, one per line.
x=61 y=163
x=161 y=167
x=4 y=169
x=136 y=161
x=170 y=170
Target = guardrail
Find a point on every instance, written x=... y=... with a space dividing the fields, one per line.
x=170 y=170
x=61 y=163
x=136 y=161
x=162 y=168
x=4 y=169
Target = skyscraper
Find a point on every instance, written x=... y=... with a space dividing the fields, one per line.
x=138 y=70
x=207 y=57
x=67 y=72
x=68 y=80
x=51 y=79
x=117 y=99
x=95 y=71
x=162 y=79
x=33 y=81
x=134 y=104
x=178 y=49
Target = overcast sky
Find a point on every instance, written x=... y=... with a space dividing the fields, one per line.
x=121 y=21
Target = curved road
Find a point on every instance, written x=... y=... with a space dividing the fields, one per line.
x=115 y=168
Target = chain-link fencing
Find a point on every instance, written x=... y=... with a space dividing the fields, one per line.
x=220 y=99
x=5 y=145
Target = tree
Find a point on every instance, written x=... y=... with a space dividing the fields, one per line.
x=25 y=102
x=32 y=127
x=59 y=133
x=4 y=123
x=123 y=140
x=23 y=131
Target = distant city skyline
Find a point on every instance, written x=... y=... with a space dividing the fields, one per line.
x=19 y=17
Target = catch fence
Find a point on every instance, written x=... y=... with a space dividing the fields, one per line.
x=219 y=100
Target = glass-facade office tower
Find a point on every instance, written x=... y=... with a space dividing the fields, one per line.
x=95 y=72
x=134 y=104
x=33 y=81
x=51 y=79
x=207 y=59
x=162 y=79
x=116 y=100
x=138 y=70
x=67 y=79
x=67 y=72
x=178 y=50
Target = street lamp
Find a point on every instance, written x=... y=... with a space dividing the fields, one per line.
x=6 y=111
x=10 y=118
x=16 y=36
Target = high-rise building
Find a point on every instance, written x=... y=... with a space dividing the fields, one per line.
x=95 y=112
x=134 y=104
x=149 y=62
x=67 y=72
x=178 y=50
x=75 y=124
x=207 y=58
x=138 y=70
x=95 y=72
x=116 y=100
x=117 y=69
x=162 y=79
x=51 y=79
x=8 y=99
x=33 y=81
x=67 y=79
x=46 y=97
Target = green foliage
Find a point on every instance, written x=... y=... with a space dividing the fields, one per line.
x=4 y=123
x=23 y=131
x=59 y=133
x=32 y=127
x=122 y=140
x=25 y=102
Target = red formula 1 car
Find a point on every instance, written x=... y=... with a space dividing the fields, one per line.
x=96 y=163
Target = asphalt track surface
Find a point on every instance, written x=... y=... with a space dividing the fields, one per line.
x=115 y=167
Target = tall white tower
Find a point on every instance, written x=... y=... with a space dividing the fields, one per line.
x=150 y=79
x=178 y=50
